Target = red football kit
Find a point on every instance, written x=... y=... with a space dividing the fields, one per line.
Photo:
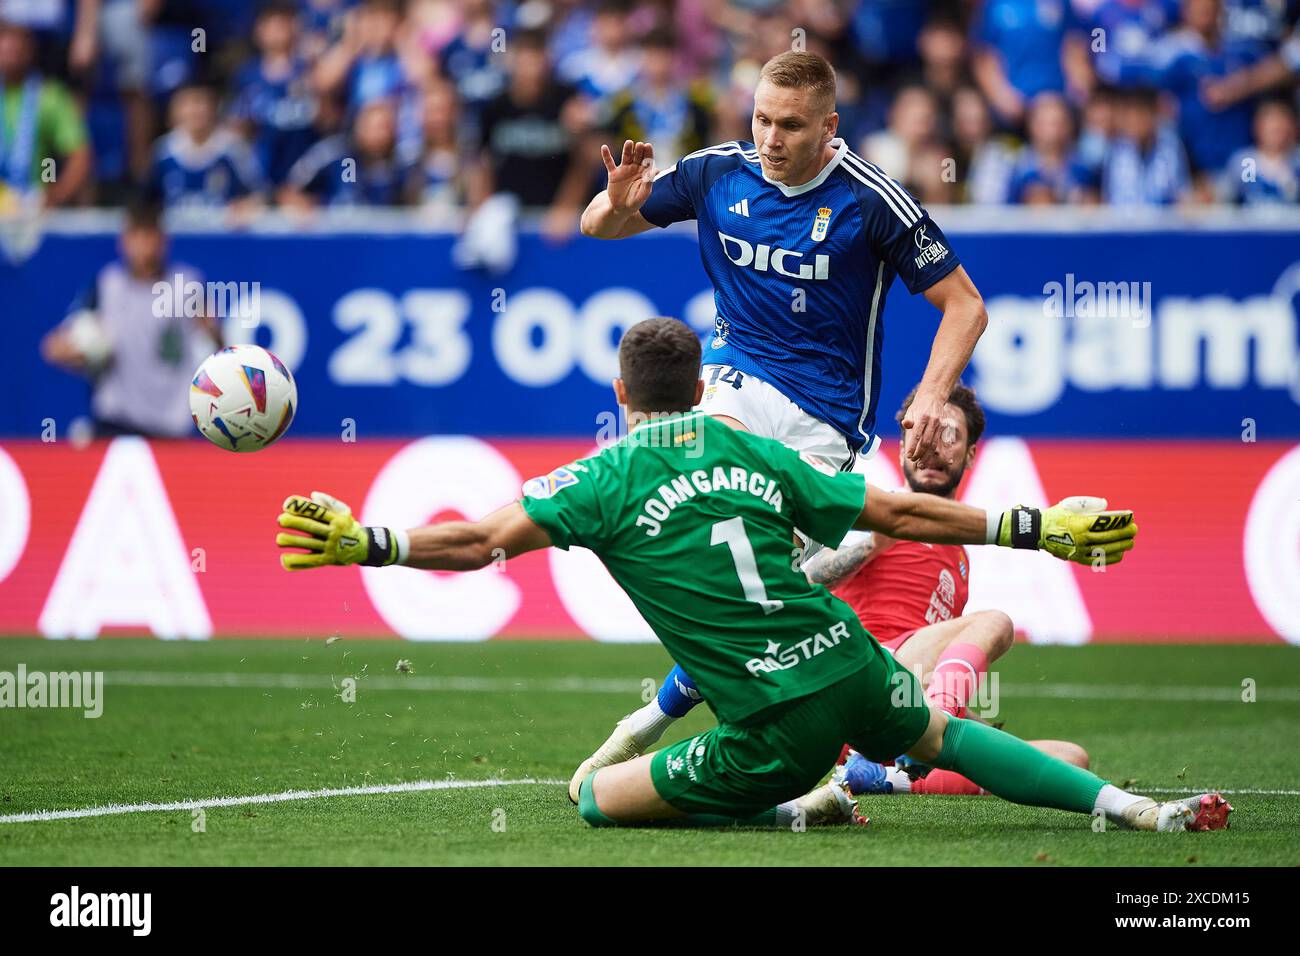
x=907 y=587
x=910 y=586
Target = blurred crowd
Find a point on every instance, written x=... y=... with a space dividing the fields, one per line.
x=453 y=105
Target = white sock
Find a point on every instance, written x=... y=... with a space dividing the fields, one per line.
x=901 y=781
x=648 y=724
x=1113 y=801
x=785 y=815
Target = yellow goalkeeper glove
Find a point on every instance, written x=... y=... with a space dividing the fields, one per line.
x=332 y=535
x=1077 y=529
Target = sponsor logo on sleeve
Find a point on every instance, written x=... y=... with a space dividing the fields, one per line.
x=544 y=486
x=931 y=249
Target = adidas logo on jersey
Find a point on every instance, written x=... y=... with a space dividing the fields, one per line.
x=741 y=208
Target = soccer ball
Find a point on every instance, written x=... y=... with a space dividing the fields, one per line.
x=242 y=398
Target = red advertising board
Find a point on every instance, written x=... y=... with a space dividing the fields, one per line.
x=177 y=540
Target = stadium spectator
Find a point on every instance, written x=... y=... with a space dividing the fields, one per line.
x=570 y=28
x=55 y=28
x=437 y=183
x=984 y=158
x=474 y=60
x=1267 y=173
x=1120 y=37
x=110 y=53
x=275 y=103
x=1184 y=61
x=855 y=106
x=1047 y=171
x=932 y=177
x=316 y=62
x=1279 y=69
x=362 y=167
x=364 y=65
x=138 y=356
x=322 y=23
x=1145 y=164
x=700 y=39
x=200 y=164
x=884 y=33
x=44 y=148
x=944 y=55
x=662 y=107
x=529 y=140
x=754 y=37
x=609 y=63
x=433 y=24
x=1098 y=130
x=913 y=123
x=1254 y=29
x=1026 y=47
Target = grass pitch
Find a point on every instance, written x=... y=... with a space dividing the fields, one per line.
x=194 y=721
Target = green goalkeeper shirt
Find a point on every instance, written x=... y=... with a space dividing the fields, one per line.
x=695 y=521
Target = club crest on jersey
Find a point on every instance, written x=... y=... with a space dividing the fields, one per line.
x=821 y=224
x=546 y=485
x=721 y=329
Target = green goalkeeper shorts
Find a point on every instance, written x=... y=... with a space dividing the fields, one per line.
x=784 y=751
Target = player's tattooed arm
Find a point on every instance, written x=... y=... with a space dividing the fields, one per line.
x=1080 y=528
x=833 y=567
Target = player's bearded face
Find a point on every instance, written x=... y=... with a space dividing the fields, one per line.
x=941 y=471
x=790 y=128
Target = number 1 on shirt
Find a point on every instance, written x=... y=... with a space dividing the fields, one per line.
x=732 y=533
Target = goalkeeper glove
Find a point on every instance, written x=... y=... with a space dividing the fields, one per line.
x=333 y=536
x=1077 y=529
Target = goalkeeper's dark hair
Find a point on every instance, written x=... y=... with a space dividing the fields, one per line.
x=659 y=362
x=963 y=397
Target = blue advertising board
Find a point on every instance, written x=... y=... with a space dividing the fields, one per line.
x=1145 y=333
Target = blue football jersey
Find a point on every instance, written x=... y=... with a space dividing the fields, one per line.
x=800 y=273
x=208 y=175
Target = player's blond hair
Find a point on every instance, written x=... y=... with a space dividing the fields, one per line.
x=803 y=71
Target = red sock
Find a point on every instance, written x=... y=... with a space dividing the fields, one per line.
x=956 y=677
x=948 y=782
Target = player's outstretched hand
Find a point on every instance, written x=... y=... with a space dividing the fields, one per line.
x=1080 y=529
x=923 y=424
x=329 y=534
x=632 y=178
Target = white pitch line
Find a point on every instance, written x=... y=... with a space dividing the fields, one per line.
x=1244 y=790
x=1229 y=694
x=414 y=682
x=506 y=685
x=414 y=786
